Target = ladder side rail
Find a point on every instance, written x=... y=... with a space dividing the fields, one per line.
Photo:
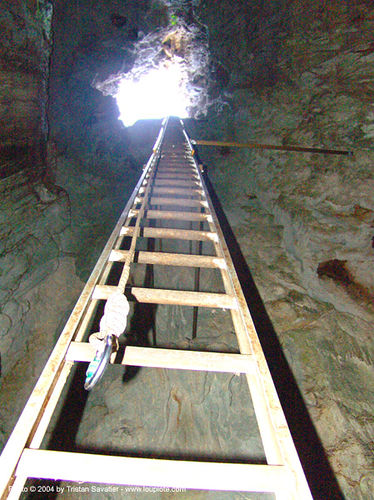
x=276 y=436
x=139 y=216
x=27 y=424
x=81 y=330
x=279 y=444
x=126 y=229
x=275 y=433
x=270 y=432
x=88 y=317
x=212 y=228
x=272 y=448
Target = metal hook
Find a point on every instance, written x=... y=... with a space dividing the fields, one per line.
x=100 y=362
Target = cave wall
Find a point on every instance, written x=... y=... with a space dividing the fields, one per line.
x=68 y=167
x=31 y=219
x=25 y=45
x=302 y=73
x=65 y=174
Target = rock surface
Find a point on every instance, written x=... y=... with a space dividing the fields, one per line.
x=294 y=212
x=25 y=45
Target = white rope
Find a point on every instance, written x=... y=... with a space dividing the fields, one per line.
x=117 y=308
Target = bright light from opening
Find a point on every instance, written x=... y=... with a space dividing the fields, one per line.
x=159 y=93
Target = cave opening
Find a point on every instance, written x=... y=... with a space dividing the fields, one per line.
x=161 y=92
x=169 y=76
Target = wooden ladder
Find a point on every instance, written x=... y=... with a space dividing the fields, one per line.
x=173 y=183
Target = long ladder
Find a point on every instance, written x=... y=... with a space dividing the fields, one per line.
x=171 y=188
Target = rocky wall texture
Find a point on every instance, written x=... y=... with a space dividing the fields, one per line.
x=32 y=216
x=59 y=197
x=25 y=46
x=36 y=271
x=305 y=222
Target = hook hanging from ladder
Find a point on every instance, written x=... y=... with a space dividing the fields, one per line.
x=112 y=325
x=101 y=360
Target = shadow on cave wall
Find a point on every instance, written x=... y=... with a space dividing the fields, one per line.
x=143 y=321
x=320 y=476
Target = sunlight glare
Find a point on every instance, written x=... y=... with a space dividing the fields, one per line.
x=159 y=93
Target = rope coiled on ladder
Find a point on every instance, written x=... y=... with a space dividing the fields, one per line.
x=114 y=321
x=116 y=310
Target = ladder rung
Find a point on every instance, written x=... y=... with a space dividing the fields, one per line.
x=169 y=190
x=184 y=202
x=173 y=152
x=108 y=469
x=170 y=159
x=172 y=297
x=175 y=170
x=178 y=234
x=176 y=162
x=170 y=214
x=171 y=358
x=183 y=170
x=177 y=176
x=173 y=179
x=178 y=183
x=166 y=173
x=174 y=155
x=180 y=165
x=170 y=259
